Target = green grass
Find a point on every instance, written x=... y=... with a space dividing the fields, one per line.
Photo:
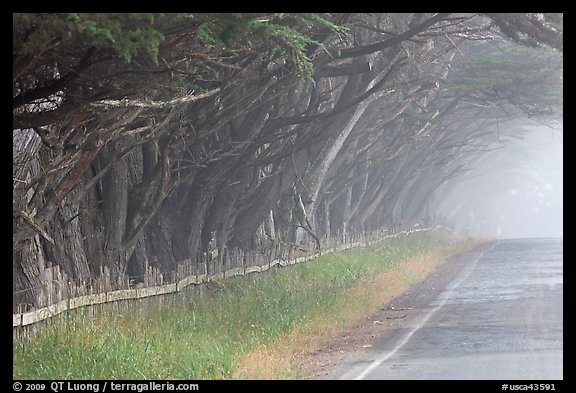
x=205 y=336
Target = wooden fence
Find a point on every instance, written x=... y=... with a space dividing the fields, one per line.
x=59 y=295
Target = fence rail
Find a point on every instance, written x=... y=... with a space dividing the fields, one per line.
x=153 y=282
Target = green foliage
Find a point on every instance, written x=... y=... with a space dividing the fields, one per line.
x=32 y=33
x=126 y=34
x=316 y=20
x=530 y=78
x=197 y=45
x=286 y=43
x=291 y=43
x=205 y=34
x=284 y=38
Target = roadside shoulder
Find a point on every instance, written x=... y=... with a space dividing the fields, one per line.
x=335 y=358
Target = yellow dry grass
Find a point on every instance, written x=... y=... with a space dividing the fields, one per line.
x=277 y=360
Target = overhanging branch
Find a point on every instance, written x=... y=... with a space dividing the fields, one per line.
x=125 y=103
x=380 y=45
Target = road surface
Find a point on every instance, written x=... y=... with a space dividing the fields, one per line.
x=500 y=318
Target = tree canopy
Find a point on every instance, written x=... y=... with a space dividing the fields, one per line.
x=154 y=139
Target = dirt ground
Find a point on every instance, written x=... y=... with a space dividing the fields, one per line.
x=329 y=361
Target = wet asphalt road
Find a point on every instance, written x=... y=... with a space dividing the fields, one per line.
x=500 y=318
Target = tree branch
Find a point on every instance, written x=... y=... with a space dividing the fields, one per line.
x=125 y=103
x=343 y=70
x=285 y=121
x=28 y=219
x=57 y=85
x=380 y=45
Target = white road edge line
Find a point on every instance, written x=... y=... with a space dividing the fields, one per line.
x=405 y=339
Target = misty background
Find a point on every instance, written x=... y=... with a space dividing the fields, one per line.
x=516 y=189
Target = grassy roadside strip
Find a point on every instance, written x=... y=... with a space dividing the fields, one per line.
x=279 y=359
x=252 y=327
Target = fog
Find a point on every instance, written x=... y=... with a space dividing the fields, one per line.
x=514 y=191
